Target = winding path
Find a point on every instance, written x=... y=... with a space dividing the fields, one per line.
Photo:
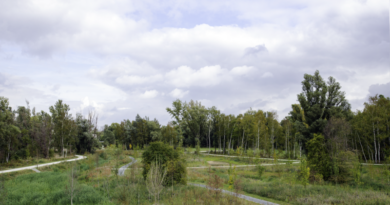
x=252 y=199
x=33 y=167
x=121 y=171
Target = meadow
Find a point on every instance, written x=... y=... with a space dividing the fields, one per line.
x=95 y=181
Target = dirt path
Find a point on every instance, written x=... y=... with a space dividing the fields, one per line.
x=252 y=199
x=121 y=171
x=238 y=166
x=218 y=155
x=79 y=157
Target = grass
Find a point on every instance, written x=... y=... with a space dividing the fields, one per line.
x=280 y=183
x=98 y=184
x=48 y=188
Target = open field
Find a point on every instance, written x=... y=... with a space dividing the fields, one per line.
x=97 y=183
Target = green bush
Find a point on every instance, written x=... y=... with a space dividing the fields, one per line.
x=169 y=158
x=260 y=170
x=318 y=158
x=345 y=165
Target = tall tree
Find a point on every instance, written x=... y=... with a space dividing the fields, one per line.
x=8 y=131
x=319 y=101
x=62 y=120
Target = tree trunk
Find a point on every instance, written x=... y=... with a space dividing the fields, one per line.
x=379 y=143
x=9 y=149
x=373 y=130
x=272 y=138
x=243 y=134
x=258 y=135
x=209 y=137
x=219 y=133
x=224 y=141
x=362 y=148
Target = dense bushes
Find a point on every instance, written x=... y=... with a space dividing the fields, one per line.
x=338 y=166
x=318 y=158
x=169 y=158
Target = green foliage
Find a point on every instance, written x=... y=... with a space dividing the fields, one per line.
x=232 y=176
x=317 y=157
x=304 y=173
x=249 y=152
x=176 y=172
x=239 y=150
x=169 y=158
x=51 y=153
x=345 y=167
x=197 y=147
x=318 y=101
x=260 y=170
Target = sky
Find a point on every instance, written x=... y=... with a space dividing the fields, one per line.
x=123 y=58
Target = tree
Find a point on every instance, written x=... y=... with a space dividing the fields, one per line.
x=8 y=131
x=85 y=140
x=319 y=101
x=304 y=173
x=169 y=134
x=155 y=179
x=62 y=120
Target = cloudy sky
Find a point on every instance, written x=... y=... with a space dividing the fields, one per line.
x=123 y=57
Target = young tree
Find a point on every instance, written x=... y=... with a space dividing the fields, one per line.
x=72 y=183
x=155 y=179
x=62 y=120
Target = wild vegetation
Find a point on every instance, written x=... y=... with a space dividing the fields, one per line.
x=321 y=153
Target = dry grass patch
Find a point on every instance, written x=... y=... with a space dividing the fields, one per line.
x=215 y=163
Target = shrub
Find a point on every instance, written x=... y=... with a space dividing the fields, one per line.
x=169 y=158
x=344 y=165
x=318 y=158
x=197 y=151
x=304 y=173
x=260 y=170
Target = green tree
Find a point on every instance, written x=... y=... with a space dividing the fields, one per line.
x=62 y=120
x=319 y=101
x=318 y=158
x=168 y=158
x=8 y=131
x=304 y=173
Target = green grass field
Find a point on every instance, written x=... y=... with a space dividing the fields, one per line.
x=97 y=183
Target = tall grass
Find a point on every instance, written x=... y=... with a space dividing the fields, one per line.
x=49 y=188
x=316 y=194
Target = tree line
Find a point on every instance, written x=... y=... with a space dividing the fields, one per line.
x=26 y=133
x=323 y=117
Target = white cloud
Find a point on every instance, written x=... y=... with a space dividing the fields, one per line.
x=185 y=76
x=242 y=70
x=149 y=94
x=147 y=49
x=87 y=103
x=178 y=93
x=134 y=79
